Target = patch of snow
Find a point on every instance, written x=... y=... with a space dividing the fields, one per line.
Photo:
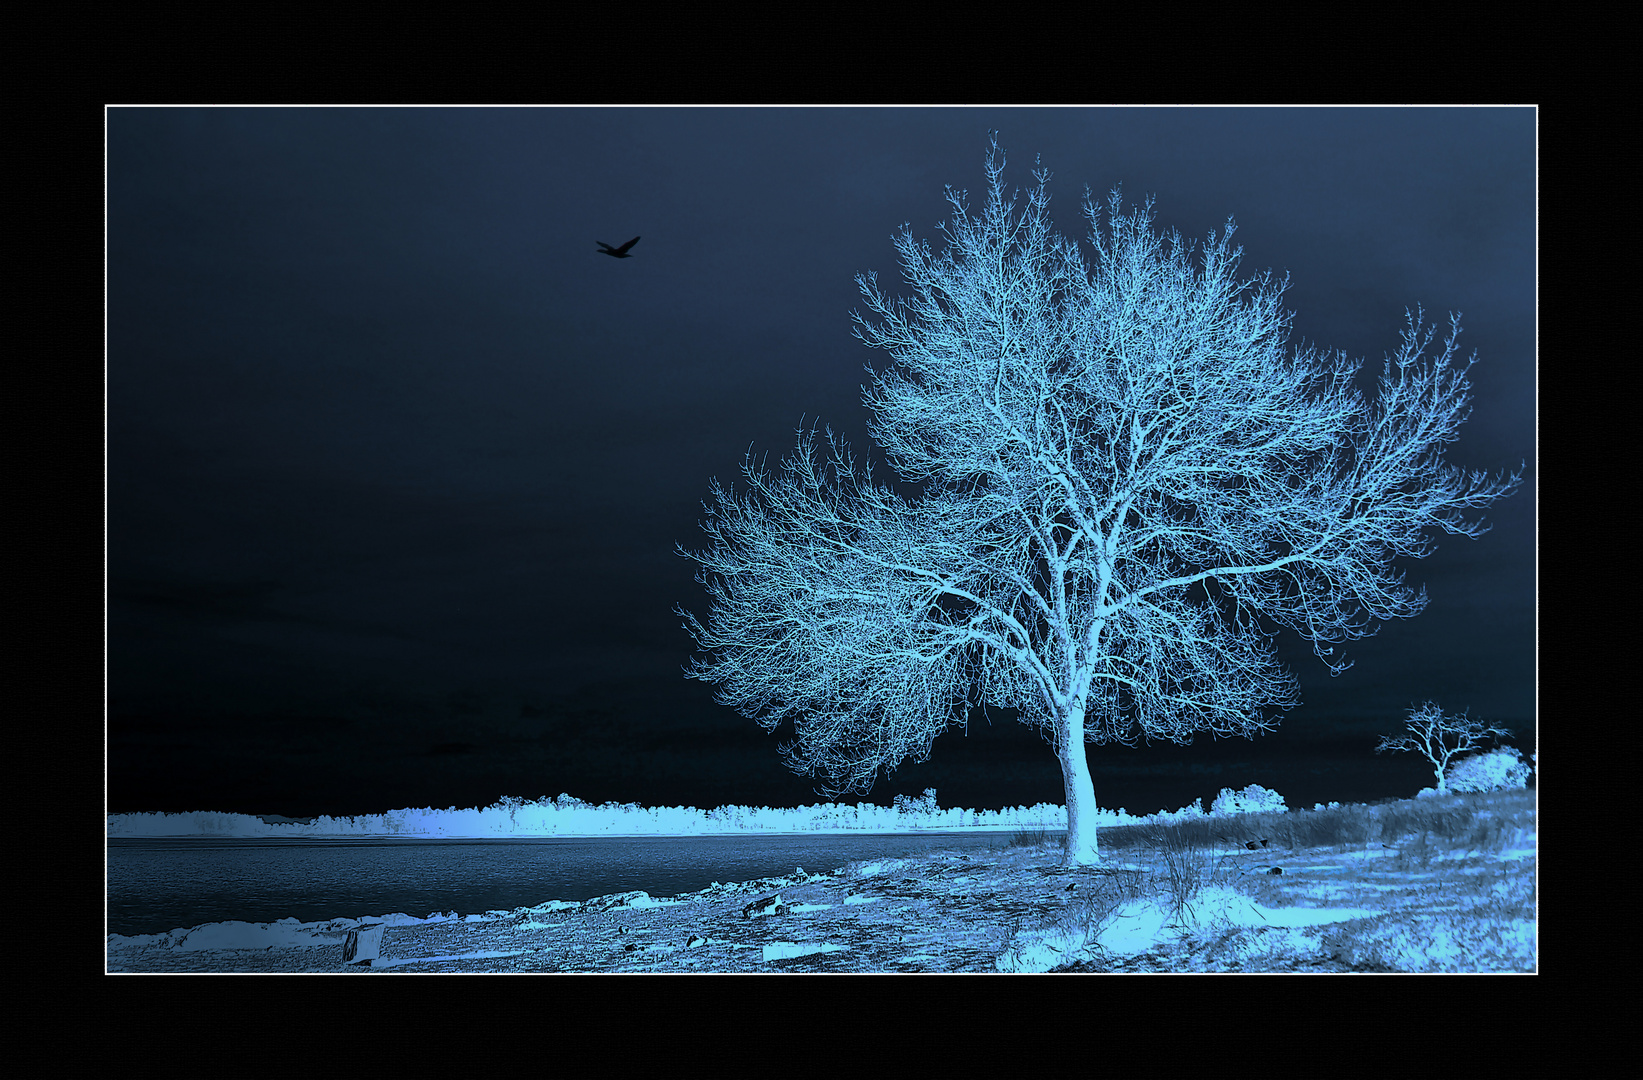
x=1144 y=925
x=636 y=898
x=282 y=934
x=1434 y=945
x=785 y=950
x=381 y=963
x=1220 y=907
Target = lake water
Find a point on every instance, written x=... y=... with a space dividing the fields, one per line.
x=156 y=885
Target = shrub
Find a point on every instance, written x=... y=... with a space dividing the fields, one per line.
x=1494 y=771
x=925 y=804
x=1254 y=799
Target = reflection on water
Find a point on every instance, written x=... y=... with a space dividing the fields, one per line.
x=160 y=885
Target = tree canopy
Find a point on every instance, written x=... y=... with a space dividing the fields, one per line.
x=1128 y=483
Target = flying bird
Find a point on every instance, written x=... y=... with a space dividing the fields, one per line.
x=616 y=252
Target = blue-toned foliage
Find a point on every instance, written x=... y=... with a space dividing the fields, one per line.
x=1129 y=482
x=1253 y=799
x=1497 y=770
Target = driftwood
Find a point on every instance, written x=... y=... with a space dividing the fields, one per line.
x=363 y=944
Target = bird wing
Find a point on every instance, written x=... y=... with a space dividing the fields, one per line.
x=627 y=245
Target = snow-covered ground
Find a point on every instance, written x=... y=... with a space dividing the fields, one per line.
x=284 y=934
x=1315 y=889
x=1359 y=910
x=1145 y=925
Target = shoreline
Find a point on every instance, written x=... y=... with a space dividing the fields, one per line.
x=1014 y=912
x=968 y=830
x=1418 y=888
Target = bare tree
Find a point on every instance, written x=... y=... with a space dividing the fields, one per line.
x=1126 y=485
x=1432 y=733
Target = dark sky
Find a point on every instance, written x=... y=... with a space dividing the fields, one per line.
x=397 y=462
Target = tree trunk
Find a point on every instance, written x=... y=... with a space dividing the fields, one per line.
x=1080 y=790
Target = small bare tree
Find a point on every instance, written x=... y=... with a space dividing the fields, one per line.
x=1441 y=738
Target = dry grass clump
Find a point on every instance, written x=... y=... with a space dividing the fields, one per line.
x=1479 y=915
x=1484 y=822
x=1035 y=838
x=1444 y=899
